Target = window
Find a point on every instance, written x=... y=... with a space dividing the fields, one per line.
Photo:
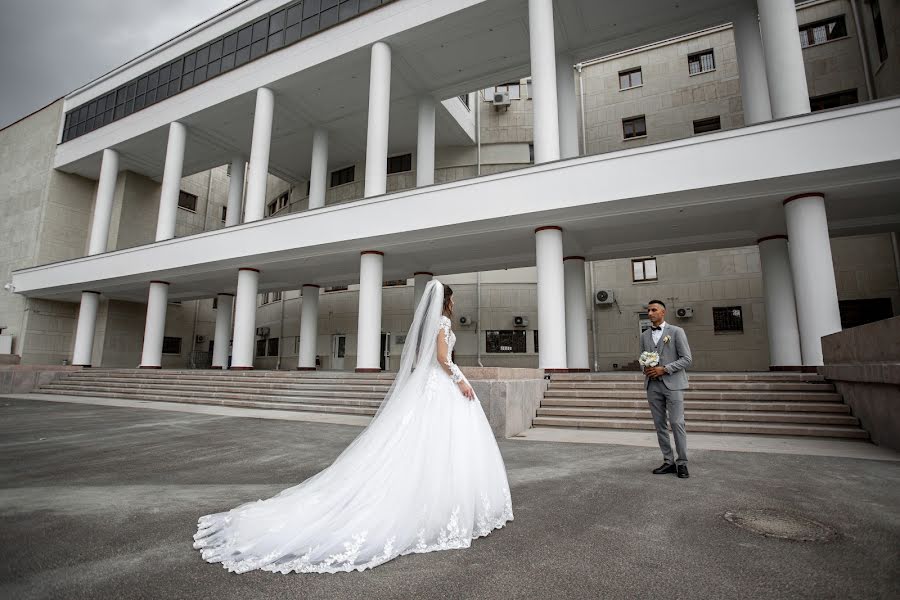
x=879 y=31
x=260 y=347
x=531 y=153
x=464 y=98
x=833 y=100
x=707 y=125
x=537 y=347
x=399 y=164
x=643 y=269
x=187 y=201
x=337 y=288
x=859 y=312
x=505 y=342
x=276 y=296
x=171 y=345
x=528 y=89
x=224 y=213
x=728 y=319
x=701 y=62
x=296 y=345
x=393 y=282
x=634 y=127
x=277 y=204
x=342 y=176
x=272 y=347
x=513 y=89
x=216 y=303
x=631 y=78
x=822 y=31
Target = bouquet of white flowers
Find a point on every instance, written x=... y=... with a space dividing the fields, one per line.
x=648 y=359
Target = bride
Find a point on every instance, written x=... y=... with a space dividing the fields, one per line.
x=425 y=475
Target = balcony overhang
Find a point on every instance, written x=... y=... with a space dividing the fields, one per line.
x=714 y=191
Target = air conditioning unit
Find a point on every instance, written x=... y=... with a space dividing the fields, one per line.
x=604 y=297
x=466 y=320
x=200 y=339
x=520 y=321
x=685 y=312
x=262 y=331
x=501 y=98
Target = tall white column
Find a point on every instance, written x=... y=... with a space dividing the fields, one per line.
x=751 y=64
x=106 y=191
x=244 y=345
x=379 y=113
x=576 y=315
x=785 y=71
x=318 y=173
x=368 y=343
x=568 y=106
x=813 y=270
x=309 y=327
x=235 y=192
x=781 y=308
x=258 y=173
x=155 y=325
x=224 y=304
x=551 y=298
x=84 y=332
x=171 y=182
x=421 y=279
x=425 y=143
x=543 y=82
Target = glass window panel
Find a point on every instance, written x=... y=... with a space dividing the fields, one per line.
x=310 y=26
x=140 y=101
x=80 y=129
x=111 y=101
x=328 y=17
x=108 y=117
x=367 y=4
x=215 y=50
x=174 y=86
x=229 y=45
x=311 y=7
x=258 y=49
x=142 y=85
x=120 y=96
x=176 y=68
x=242 y=56
x=202 y=57
x=152 y=81
x=162 y=92
x=276 y=40
x=326 y=4
x=120 y=112
x=89 y=124
x=650 y=268
x=349 y=8
x=82 y=114
x=131 y=91
x=638 y=270
x=640 y=126
x=260 y=29
x=129 y=107
x=515 y=91
x=624 y=81
x=276 y=22
x=200 y=75
x=92 y=110
x=189 y=62
x=294 y=14
x=151 y=96
x=292 y=34
x=637 y=78
x=214 y=68
x=245 y=36
x=227 y=62
x=187 y=81
x=164 y=74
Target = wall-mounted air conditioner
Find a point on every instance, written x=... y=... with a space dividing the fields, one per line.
x=262 y=331
x=520 y=321
x=604 y=297
x=466 y=320
x=501 y=99
x=685 y=312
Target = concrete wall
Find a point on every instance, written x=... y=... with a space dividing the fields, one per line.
x=836 y=65
x=887 y=72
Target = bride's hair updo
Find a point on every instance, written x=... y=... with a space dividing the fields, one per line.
x=448 y=292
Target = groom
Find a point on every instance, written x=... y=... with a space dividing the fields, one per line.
x=665 y=385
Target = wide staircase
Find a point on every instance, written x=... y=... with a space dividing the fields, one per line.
x=314 y=391
x=789 y=404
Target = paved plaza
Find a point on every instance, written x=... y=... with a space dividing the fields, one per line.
x=101 y=502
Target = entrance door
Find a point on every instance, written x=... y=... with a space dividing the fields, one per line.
x=385 y=351
x=338 y=351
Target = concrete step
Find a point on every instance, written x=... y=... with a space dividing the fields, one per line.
x=698 y=386
x=700 y=395
x=238 y=403
x=145 y=376
x=744 y=405
x=242 y=387
x=253 y=374
x=828 y=431
x=705 y=415
x=698 y=377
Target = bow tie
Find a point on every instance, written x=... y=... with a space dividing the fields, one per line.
x=652 y=328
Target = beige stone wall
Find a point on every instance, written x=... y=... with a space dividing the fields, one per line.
x=886 y=73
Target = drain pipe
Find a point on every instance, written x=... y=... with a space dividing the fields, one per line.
x=864 y=53
x=478 y=317
x=593 y=316
x=583 y=129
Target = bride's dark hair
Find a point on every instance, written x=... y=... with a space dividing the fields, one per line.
x=448 y=292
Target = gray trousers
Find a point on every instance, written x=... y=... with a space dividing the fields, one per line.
x=662 y=400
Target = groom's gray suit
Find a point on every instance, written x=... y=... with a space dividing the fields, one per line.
x=666 y=394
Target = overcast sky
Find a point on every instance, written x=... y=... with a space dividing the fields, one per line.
x=50 y=47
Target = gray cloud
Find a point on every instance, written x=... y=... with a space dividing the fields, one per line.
x=50 y=47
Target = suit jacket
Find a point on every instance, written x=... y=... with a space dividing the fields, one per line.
x=674 y=355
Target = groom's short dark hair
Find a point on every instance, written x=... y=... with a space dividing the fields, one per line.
x=660 y=302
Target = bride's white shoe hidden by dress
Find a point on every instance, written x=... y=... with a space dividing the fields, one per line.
x=425 y=475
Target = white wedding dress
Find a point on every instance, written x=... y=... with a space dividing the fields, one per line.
x=425 y=475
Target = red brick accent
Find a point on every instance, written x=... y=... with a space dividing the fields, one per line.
x=798 y=196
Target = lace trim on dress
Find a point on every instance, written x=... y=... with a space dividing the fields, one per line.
x=455 y=374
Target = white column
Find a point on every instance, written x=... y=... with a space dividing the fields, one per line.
x=258 y=173
x=425 y=143
x=781 y=308
x=421 y=280
x=106 y=191
x=155 y=325
x=568 y=106
x=309 y=327
x=84 y=332
x=785 y=72
x=318 y=173
x=224 y=304
x=171 y=182
x=368 y=342
x=813 y=270
x=551 y=298
x=543 y=82
x=576 y=314
x=751 y=64
x=235 y=192
x=244 y=345
x=379 y=112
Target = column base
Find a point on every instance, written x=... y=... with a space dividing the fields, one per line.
x=240 y=368
x=306 y=369
x=567 y=370
x=82 y=366
x=795 y=369
x=358 y=370
x=149 y=367
x=215 y=369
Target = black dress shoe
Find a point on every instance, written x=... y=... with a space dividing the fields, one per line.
x=666 y=468
x=683 y=472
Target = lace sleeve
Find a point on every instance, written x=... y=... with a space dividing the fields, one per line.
x=455 y=374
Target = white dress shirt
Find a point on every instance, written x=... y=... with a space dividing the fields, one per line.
x=658 y=334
